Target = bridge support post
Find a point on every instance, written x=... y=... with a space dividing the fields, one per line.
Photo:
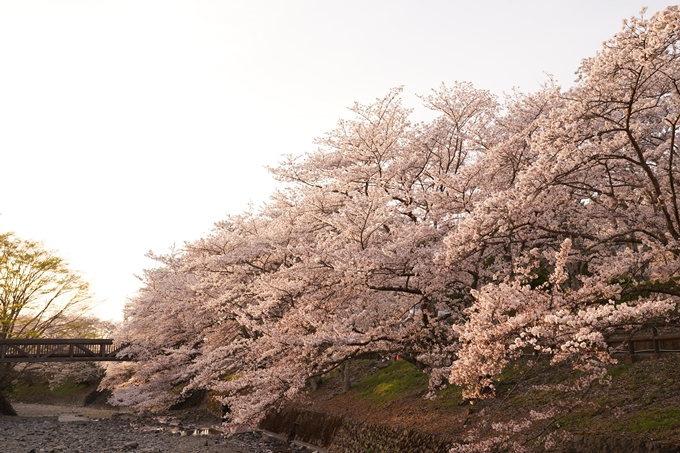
x=630 y=358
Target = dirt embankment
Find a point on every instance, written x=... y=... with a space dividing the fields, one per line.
x=638 y=404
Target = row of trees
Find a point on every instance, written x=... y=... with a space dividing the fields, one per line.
x=547 y=221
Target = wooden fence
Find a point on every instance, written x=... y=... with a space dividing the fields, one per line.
x=649 y=345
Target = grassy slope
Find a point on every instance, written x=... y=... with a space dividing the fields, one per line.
x=39 y=392
x=640 y=399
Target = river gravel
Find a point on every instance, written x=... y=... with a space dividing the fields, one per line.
x=63 y=429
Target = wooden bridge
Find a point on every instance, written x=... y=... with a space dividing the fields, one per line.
x=62 y=350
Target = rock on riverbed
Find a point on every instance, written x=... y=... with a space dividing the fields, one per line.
x=61 y=429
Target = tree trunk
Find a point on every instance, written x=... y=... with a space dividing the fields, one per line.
x=345 y=377
x=5 y=406
x=315 y=382
x=7 y=375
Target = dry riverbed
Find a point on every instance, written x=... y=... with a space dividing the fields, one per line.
x=46 y=428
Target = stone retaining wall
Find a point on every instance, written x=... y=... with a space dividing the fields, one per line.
x=343 y=435
x=357 y=437
x=616 y=444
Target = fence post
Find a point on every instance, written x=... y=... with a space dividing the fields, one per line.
x=655 y=342
x=630 y=358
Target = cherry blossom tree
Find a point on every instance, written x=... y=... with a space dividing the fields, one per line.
x=544 y=223
x=333 y=268
x=584 y=242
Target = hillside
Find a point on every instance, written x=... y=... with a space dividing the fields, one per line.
x=640 y=400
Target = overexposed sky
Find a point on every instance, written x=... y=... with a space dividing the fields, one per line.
x=128 y=126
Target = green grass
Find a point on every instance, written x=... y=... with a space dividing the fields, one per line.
x=41 y=392
x=397 y=380
x=618 y=370
x=651 y=397
x=510 y=375
x=659 y=421
x=451 y=396
x=331 y=376
x=577 y=421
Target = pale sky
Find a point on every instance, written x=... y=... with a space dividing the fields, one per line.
x=128 y=126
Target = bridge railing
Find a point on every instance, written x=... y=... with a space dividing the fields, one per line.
x=59 y=350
